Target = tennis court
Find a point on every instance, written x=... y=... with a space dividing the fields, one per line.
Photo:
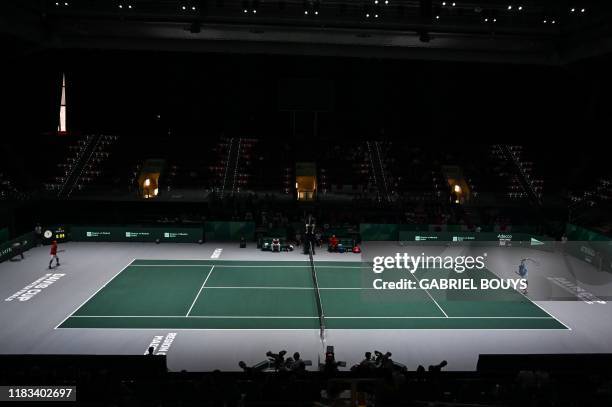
x=221 y=294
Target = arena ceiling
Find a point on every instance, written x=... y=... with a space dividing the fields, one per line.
x=553 y=32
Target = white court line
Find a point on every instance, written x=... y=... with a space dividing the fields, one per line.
x=239 y=266
x=91 y=296
x=432 y=298
x=536 y=304
x=546 y=312
x=316 y=330
x=202 y=287
x=173 y=265
x=130 y=316
x=287 y=288
x=386 y=317
x=194 y=316
x=550 y=316
x=303 y=288
x=290 y=317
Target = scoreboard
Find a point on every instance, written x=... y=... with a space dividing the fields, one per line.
x=52 y=233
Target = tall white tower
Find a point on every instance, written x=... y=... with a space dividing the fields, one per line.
x=61 y=127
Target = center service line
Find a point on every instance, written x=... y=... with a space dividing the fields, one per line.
x=201 y=288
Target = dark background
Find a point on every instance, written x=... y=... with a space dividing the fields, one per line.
x=248 y=95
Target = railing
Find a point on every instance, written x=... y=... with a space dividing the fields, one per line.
x=382 y=171
x=229 y=154
x=525 y=179
x=236 y=166
x=378 y=172
x=373 y=171
x=76 y=165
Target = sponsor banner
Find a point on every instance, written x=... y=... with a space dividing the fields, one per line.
x=574 y=232
x=590 y=247
x=423 y=236
x=15 y=247
x=596 y=253
x=135 y=234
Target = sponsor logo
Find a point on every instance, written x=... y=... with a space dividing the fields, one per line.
x=587 y=250
x=576 y=290
x=160 y=344
x=410 y=263
x=29 y=291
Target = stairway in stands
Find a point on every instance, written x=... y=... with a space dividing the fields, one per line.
x=378 y=171
x=230 y=176
x=81 y=168
x=524 y=171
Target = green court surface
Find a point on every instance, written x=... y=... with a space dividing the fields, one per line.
x=216 y=294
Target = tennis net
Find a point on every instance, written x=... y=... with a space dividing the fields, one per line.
x=317 y=294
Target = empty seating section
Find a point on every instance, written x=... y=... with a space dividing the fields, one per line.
x=119 y=172
x=68 y=162
x=588 y=180
x=344 y=168
x=240 y=173
x=392 y=171
x=187 y=166
x=414 y=172
x=218 y=164
x=516 y=171
x=268 y=166
x=91 y=171
x=80 y=165
x=8 y=189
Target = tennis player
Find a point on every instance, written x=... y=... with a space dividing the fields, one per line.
x=53 y=253
x=523 y=271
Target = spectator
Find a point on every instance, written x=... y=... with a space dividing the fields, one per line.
x=330 y=368
x=298 y=364
x=277 y=359
x=438 y=368
x=38 y=234
x=276 y=246
x=18 y=250
x=333 y=243
x=366 y=366
x=298 y=239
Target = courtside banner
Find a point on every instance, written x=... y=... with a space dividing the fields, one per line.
x=171 y=234
x=409 y=236
x=15 y=247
